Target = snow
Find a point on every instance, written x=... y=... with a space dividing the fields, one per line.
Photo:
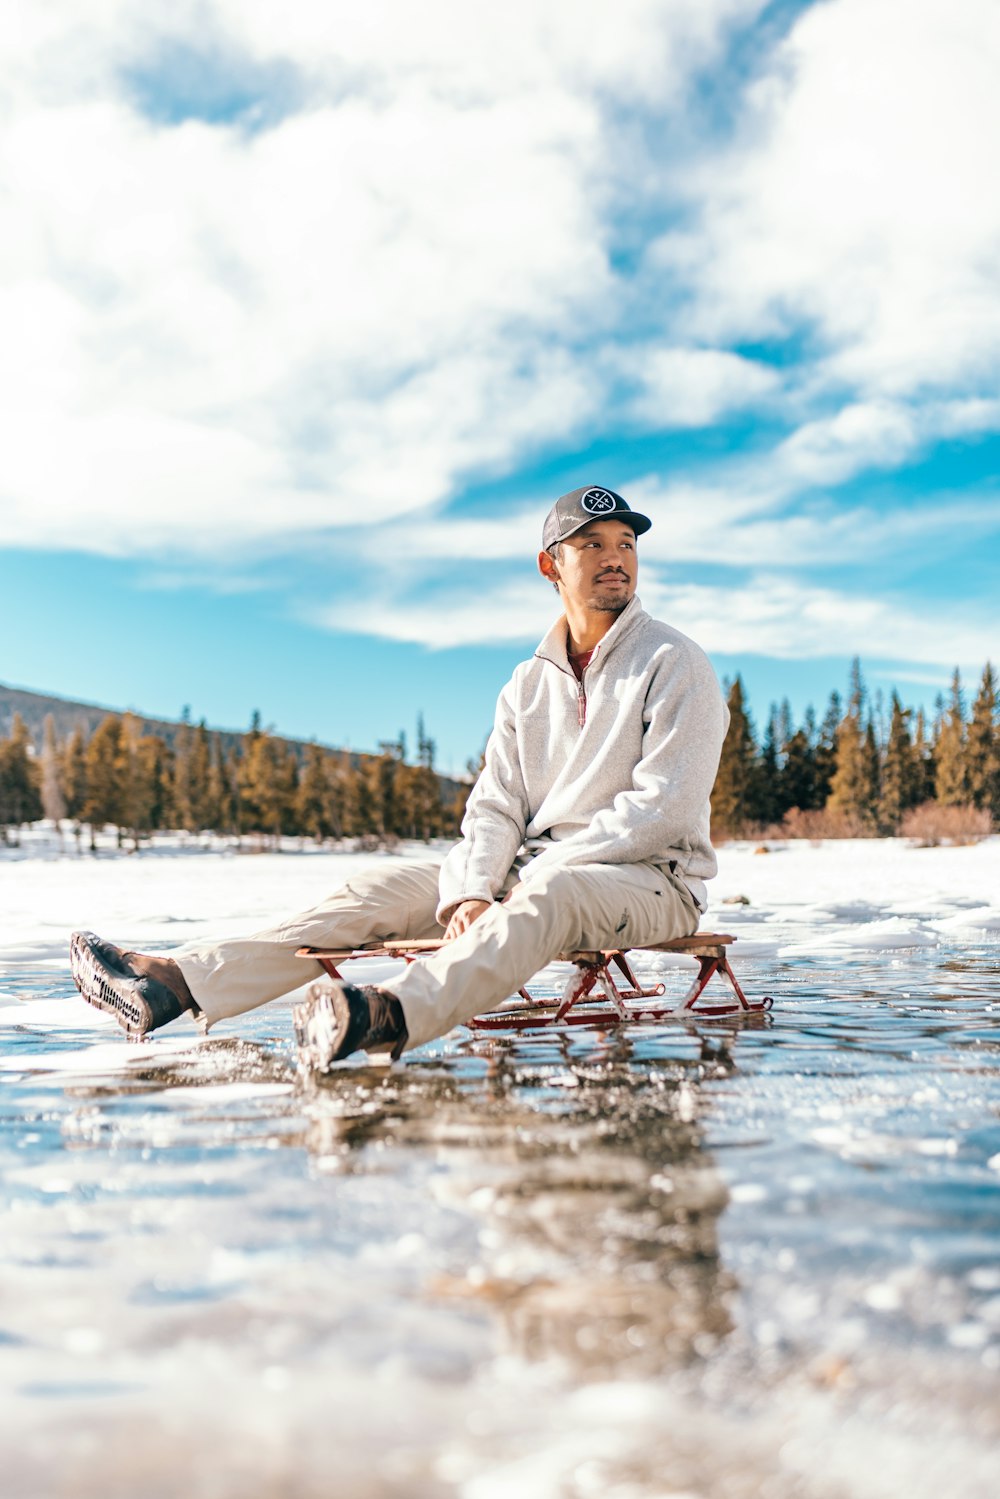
x=854 y=895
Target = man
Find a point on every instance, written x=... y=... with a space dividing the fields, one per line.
x=587 y=829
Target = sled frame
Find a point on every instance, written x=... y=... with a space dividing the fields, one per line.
x=623 y=999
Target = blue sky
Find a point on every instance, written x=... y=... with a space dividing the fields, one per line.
x=311 y=312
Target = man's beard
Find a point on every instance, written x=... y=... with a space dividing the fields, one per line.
x=605 y=603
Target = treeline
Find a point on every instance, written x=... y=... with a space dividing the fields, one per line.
x=864 y=771
x=257 y=787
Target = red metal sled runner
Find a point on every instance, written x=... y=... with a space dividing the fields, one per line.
x=579 y=1005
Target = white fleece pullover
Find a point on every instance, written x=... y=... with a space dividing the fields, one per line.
x=616 y=769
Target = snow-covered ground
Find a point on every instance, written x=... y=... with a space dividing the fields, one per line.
x=715 y=1259
x=836 y=896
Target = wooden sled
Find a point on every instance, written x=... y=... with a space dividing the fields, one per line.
x=622 y=997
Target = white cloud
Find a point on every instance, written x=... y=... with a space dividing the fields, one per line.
x=644 y=47
x=127 y=474
x=775 y=615
x=518 y=609
x=858 y=437
x=858 y=198
x=737 y=518
x=222 y=332
x=695 y=387
x=765 y=613
x=229 y=341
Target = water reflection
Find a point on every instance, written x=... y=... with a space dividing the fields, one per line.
x=578 y=1159
x=577 y=1156
x=596 y=1202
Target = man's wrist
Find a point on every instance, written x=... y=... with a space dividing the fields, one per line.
x=445 y=913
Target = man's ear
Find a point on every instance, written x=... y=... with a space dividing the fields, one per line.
x=547 y=567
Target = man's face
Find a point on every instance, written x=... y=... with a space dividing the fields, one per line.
x=597 y=566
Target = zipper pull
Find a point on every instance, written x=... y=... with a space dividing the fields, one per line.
x=581 y=707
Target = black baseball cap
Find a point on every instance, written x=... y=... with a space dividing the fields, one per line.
x=576 y=509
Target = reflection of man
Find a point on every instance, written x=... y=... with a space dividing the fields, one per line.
x=588 y=828
x=633 y=1282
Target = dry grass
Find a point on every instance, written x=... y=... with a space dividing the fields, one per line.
x=814 y=825
x=821 y=823
x=931 y=824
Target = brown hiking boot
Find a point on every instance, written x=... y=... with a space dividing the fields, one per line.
x=141 y=991
x=336 y=1019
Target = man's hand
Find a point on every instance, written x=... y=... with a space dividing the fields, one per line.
x=463 y=916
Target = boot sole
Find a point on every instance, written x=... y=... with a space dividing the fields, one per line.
x=106 y=991
x=320 y=1023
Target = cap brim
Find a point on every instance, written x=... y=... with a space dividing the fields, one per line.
x=640 y=523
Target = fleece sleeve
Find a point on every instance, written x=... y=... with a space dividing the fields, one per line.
x=495 y=818
x=685 y=722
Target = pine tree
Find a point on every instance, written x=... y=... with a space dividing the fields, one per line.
x=20 y=794
x=288 y=782
x=382 y=773
x=182 y=814
x=982 y=751
x=926 y=768
x=852 y=797
x=313 y=800
x=103 y=764
x=53 y=800
x=732 y=793
x=74 y=779
x=848 y=791
x=137 y=774
x=873 y=769
x=900 y=789
x=425 y=798
x=877 y=716
x=367 y=819
x=199 y=778
x=224 y=785
x=798 y=774
x=336 y=801
x=268 y=785
x=251 y=773
x=355 y=817
x=764 y=801
x=423 y=789
x=826 y=749
x=784 y=724
x=156 y=770
x=950 y=788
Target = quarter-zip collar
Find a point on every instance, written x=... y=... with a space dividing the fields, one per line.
x=553 y=648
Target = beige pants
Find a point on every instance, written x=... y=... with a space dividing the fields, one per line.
x=581 y=906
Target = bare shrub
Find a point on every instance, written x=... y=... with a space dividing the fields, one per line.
x=747 y=832
x=931 y=824
x=820 y=823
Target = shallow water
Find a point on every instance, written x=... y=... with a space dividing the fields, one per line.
x=714 y=1259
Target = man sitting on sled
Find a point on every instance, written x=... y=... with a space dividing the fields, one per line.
x=587 y=829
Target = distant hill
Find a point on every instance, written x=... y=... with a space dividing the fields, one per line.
x=67 y=715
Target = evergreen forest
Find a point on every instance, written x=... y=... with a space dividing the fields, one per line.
x=867 y=769
x=253 y=786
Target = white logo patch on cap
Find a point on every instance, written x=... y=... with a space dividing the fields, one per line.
x=598 y=502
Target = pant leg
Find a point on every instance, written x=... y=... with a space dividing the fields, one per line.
x=579 y=907
x=378 y=904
